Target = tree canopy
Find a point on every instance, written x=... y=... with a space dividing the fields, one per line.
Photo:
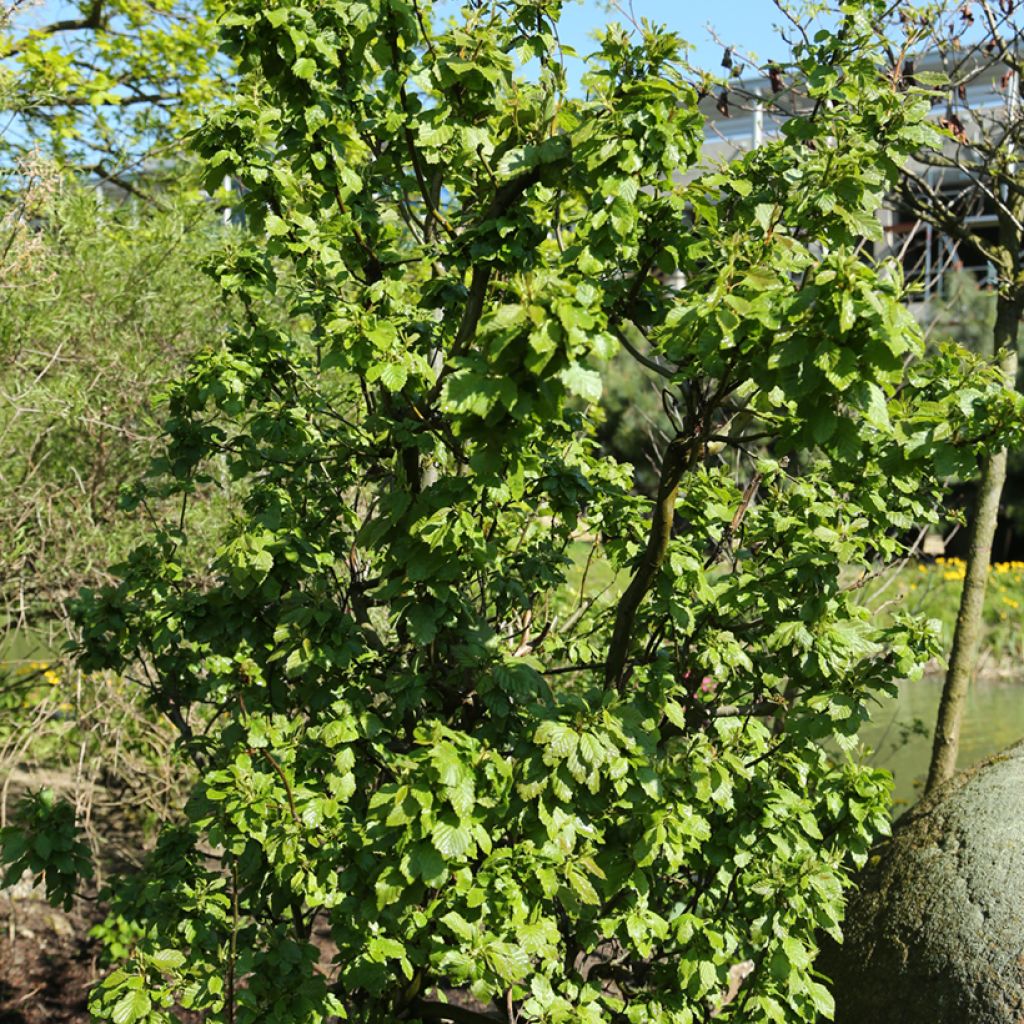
x=109 y=88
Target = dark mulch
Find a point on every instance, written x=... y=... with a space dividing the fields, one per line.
x=46 y=968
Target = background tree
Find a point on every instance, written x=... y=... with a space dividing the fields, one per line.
x=101 y=305
x=965 y=311
x=975 y=171
x=412 y=724
x=108 y=89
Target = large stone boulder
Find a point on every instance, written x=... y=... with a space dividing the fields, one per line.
x=935 y=930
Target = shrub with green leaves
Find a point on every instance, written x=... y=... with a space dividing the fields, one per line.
x=537 y=806
x=100 y=306
x=45 y=842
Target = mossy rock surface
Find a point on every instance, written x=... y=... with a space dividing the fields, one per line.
x=935 y=930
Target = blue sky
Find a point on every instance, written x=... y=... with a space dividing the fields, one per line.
x=743 y=23
x=747 y=24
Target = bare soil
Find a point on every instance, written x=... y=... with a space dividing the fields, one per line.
x=47 y=961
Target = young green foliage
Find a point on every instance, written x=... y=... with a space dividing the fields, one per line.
x=106 y=86
x=45 y=842
x=413 y=724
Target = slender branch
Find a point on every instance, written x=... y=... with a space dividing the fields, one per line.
x=639 y=356
x=118 y=179
x=433 y=214
x=423 y=30
x=759 y=709
x=269 y=758
x=737 y=520
x=122 y=101
x=233 y=946
x=927 y=203
x=681 y=454
x=481 y=277
x=563 y=669
x=1000 y=205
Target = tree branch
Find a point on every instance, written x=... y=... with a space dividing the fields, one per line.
x=681 y=454
x=664 y=371
x=474 y=305
x=121 y=182
x=481 y=278
x=94 y=19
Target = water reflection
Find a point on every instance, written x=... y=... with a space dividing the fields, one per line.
x=994 y=718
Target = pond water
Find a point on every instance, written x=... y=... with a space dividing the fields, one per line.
x=994 y=719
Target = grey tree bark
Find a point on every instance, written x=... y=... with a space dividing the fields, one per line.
x=967 y=635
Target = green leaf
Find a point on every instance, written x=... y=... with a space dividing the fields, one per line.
x=876 y=410
x=393 y=376
x=582 y=382
x=559 y=739
x=131 y=1007
x=449 y=765
x=822 y=999
x=582 y=886
x=509 y=961
x=427 y=863
x=386 y=949
x=167 y=959
x=453 y=842
x=847 y=312
x=276 y=226
x=675 y=714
